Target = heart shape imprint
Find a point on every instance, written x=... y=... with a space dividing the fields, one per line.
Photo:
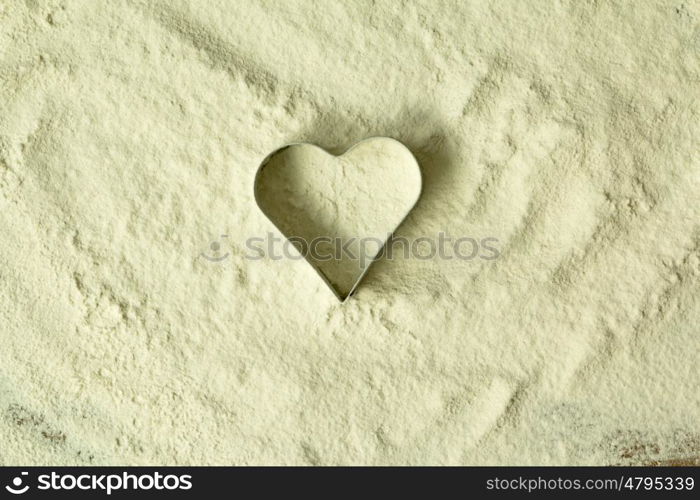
x=339 y=211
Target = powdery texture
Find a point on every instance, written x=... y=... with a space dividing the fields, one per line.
x=130 y=134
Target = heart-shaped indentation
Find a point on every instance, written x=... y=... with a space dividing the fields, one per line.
x=345 y=207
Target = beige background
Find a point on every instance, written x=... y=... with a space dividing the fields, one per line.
x=130 y=133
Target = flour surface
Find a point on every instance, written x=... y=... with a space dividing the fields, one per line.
x=135 y=329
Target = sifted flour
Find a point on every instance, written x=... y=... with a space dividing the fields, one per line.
x=130 y=135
